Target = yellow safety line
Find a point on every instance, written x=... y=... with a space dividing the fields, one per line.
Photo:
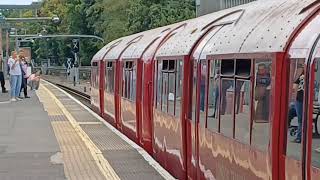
x=104 y=166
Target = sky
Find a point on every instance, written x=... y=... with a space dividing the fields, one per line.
x=16 y=2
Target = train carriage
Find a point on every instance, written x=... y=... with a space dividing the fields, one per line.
x=212 y=97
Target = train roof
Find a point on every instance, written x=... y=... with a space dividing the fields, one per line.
x=259 y=26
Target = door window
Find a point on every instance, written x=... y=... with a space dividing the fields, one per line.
x=315 y=154
x=295 y=109
x=168 y=93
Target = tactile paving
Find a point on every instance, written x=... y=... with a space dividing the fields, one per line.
x=104 y=138
x=124 y=159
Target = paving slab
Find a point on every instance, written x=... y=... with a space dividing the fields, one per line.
x=27 y=141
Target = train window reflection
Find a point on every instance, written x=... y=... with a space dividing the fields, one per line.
x=169 y=86
x=242 y=111
x=262 y=97
x=110 y=70
x=315 y=159
x=296 y=88
x=158 y=85
x=129 y=78
x=194 y=92
x=203 y=97
x=226 y=109
x=213 y=95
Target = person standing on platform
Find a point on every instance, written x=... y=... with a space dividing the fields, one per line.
x=25 y=76
x=2 y=81
x=15 y=76
x=299 y=87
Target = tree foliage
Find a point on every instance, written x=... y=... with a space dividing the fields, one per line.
x=148 y=14
x=109 y=19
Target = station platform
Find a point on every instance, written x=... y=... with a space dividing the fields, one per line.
x=53 y=136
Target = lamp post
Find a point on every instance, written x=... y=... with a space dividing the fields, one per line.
x=75 y=47
x=3 y=21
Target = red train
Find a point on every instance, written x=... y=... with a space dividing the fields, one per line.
x=229 y=95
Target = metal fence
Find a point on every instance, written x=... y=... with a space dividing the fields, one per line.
x=84 y=71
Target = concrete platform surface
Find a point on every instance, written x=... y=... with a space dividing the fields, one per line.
x=54 y=136
x=27 y=142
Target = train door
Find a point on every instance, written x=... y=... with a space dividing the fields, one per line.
x=167 y=121
x=302 y=159
x=109 y=91
x=95 y=101
x=128 y=98
x=311 y=112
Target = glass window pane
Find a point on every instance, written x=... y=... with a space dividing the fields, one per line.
x=227 y=67
x=179 y=87
x=295 y=108
x=315 y=159
x=243 y=67
x=158 y=84
x=226 y=108
x=243 y=111
x=172 y=93
x=203 y=99
x=164 y=95
x=213 y=96
x=194 y=93
x=133 y=82
x=262 y=97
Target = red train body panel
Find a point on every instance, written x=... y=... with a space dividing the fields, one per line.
x=211 y=97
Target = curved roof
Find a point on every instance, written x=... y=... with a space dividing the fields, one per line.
x=116 y=51
x=102 y=52
x=182 y=43
x=260 y=26
x=135 y=50
x=265 y=27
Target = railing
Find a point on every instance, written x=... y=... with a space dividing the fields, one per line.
x=84 y=71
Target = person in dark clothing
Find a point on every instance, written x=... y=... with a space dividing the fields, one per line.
x=2 y=81
x=299 y=86
x=24 y=67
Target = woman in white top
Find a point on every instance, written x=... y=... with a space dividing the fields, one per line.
x=15 y=76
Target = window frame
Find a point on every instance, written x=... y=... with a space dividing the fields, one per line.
x=133 y=69
x=253 y=57
x=108 y=69
x=158 y=77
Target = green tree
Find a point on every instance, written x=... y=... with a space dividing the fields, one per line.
x=148 y=14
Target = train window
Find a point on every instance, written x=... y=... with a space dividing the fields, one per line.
x=243 y=67
x=109 y=78
x=227 y=67
x=172 y=93
x=203 y=94
x=129 y=78
x=315 y=158
x=227 y=107
x=194 y=92
x=262 y=96
x=169 y=83
x=179 y=87
x=295 y=108
x=242 y=110
x=95 y=64
x=109 y=64
x=158 y=85
x=213 y=95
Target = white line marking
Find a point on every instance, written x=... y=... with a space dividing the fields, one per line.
x=165 y=174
